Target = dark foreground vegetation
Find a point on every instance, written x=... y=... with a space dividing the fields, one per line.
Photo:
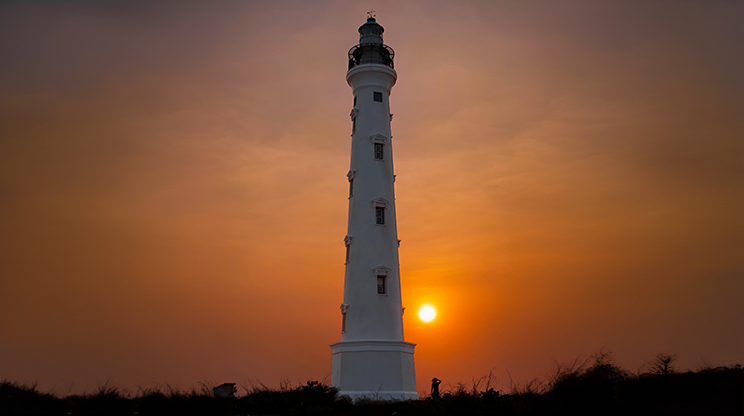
x=595 y=386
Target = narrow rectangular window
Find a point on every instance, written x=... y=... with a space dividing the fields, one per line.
x=378 y=96
x=353 y=125
x=355 y=101
x=347 y=254
x=380 y=215
x=343 y=322
x=381 y=289
x=351 y=188
x=378 y=151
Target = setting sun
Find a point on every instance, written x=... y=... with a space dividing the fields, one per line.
x=427 y=313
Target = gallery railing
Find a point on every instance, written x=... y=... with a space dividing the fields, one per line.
x=371 y=54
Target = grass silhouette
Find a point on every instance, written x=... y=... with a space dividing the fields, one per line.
x=585 y=386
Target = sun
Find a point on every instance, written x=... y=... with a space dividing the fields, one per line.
x=427 y=313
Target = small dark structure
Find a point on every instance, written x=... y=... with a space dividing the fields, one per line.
x=225 y=391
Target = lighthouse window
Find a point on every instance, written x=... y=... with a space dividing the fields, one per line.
x=347 y=255
x=378 y=151
x=380 y=215
x=343 y=323
x=381 y=285
x=353 y=125
x=378 y=96
x=351 y=188
x=355 y=101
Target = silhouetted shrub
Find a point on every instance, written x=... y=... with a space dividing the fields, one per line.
x=25 y=399
x=595 y=385
x=662 y=365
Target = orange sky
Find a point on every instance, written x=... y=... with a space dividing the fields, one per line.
x=173 y=190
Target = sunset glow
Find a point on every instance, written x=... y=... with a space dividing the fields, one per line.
x=174 y=194
x=427 y=313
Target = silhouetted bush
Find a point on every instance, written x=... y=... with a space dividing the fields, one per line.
x=595 y=385
x=25 y=399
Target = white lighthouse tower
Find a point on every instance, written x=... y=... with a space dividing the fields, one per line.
x=372 y=360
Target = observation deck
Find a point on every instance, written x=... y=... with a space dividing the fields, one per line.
x=371 y=54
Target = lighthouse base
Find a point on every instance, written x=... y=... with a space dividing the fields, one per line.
x=374 y=370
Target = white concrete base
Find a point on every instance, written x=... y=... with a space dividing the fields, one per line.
x=387 y=396
x=374 y=369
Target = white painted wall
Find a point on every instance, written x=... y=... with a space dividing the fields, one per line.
x=369 y=315
x=378 y=370
x=372 y=360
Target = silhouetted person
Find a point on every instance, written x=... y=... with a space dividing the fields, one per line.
x=435 y=382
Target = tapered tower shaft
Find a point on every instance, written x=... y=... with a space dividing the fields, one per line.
x=372 y=358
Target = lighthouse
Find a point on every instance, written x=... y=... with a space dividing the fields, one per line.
x=372 y=359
